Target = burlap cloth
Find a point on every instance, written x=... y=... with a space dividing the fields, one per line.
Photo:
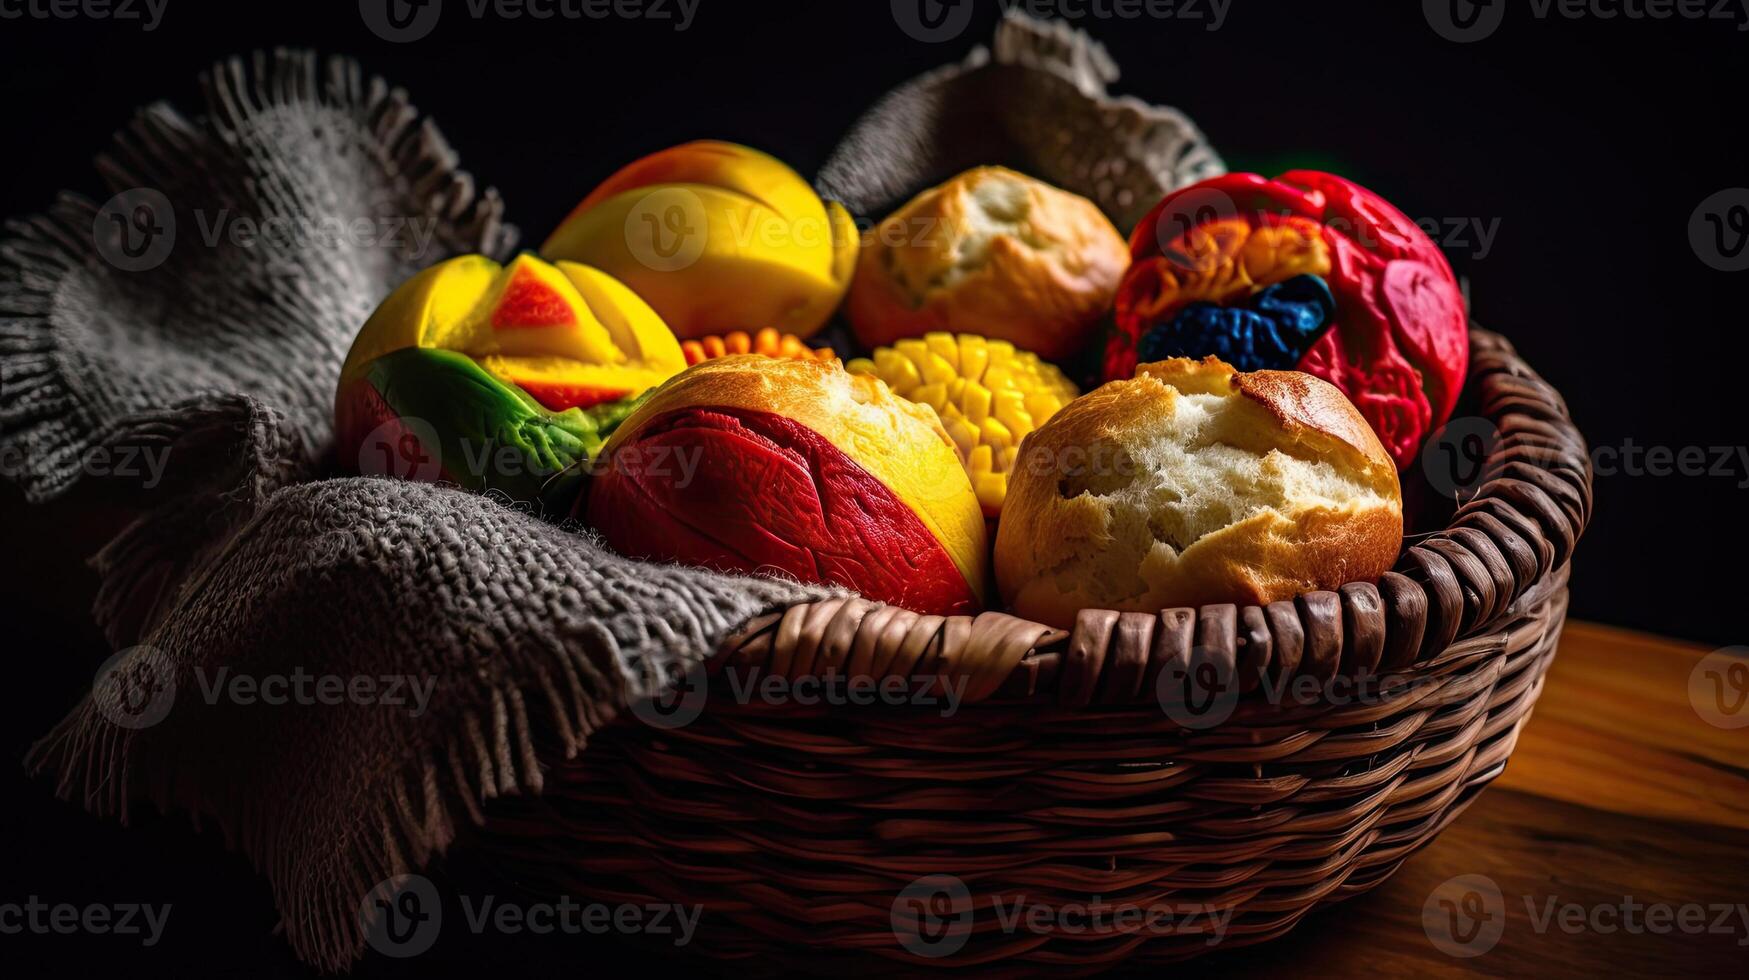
x=250 y=560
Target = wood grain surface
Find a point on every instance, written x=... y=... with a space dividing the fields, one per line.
x=1620 y=796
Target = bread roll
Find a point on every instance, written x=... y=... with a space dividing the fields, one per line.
x=716 y=237
x=994 y=253
x=760 y=464
x=1193 y=484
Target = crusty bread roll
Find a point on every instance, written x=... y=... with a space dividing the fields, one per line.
x=1193 y=484
x=990 y=252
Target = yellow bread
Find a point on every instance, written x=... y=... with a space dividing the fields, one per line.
x=716 y=237
x=898 y=442
x=615 y=342
x=990 y=252
x=988 y=395
x=1192 y=484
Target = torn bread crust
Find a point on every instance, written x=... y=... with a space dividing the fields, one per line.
x=1189 y=485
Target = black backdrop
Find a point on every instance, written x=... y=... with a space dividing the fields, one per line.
x=1561 y=157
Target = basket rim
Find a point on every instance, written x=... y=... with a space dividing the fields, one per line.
x=1506 y=547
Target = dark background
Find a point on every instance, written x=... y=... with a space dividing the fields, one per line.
x=1587 y=144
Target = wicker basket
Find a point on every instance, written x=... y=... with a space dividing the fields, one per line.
x=886 y=839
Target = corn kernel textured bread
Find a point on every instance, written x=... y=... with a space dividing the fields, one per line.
x=990 y=252
x=1192 y=484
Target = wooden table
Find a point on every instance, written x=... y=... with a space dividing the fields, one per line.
x=1619 y=791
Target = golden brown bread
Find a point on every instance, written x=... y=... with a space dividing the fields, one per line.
x=990 y=252
x=1192 y=484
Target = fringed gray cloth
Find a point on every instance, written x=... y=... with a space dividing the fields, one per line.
x=479 y=630
x=473 y=632
x=1038 y=102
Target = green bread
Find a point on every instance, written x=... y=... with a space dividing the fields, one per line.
x=493 y=436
